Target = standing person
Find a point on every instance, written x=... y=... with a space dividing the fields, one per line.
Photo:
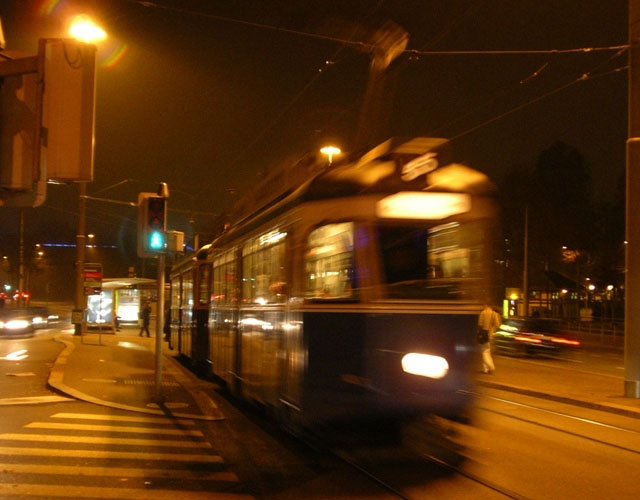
x=488 y=323
x=145 y=316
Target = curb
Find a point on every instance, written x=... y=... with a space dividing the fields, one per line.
x=56 y=380
x=611 y=408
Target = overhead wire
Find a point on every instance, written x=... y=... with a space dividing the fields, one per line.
x=526 y=80
x=414 y=53
x=360 y=44
x=582 y=78
x=328 y=62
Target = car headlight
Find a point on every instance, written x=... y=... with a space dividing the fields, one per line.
x=36 y=320
x=16 y=324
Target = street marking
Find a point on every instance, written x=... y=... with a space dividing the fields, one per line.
x=50 y=490
x=128 y=455
x=111 y=428
x=30 y=400
x=16 y=355
x=83 y=470
x=100 y=380
x=122 y=418
x=21 y=374
x=51 y=438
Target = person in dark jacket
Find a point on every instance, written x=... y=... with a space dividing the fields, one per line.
x=145 y=316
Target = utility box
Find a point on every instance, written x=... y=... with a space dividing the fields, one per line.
x=68 y=109
x=175 y=241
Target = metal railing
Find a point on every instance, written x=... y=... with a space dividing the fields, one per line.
x=608 y=332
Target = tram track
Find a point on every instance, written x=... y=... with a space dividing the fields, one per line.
x=627 y=432
x=439 y=467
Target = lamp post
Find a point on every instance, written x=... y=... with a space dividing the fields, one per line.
x=84 y=30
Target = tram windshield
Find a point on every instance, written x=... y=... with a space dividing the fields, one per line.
x=442 y=262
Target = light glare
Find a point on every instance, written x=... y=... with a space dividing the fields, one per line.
x=85 y=30
x=425 y=365
x=416 y=205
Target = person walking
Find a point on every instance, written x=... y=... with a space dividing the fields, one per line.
x=145 y=316
x=488 y=323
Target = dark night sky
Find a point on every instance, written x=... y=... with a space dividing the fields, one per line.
x=209 y=93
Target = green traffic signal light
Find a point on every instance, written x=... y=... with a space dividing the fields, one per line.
x=156 y=240
x=152 y=223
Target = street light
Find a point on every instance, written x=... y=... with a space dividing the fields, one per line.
x=84 y=30
x=330 y=151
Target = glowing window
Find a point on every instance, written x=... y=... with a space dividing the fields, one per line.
x=329 y=262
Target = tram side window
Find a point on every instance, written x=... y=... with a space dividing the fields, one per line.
x=203 y=285
x=263 y=269
x=224 y=280
x=329 y=262
x=175 y=293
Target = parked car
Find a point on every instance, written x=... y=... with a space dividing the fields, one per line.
x=14 y=323
x=532 y=336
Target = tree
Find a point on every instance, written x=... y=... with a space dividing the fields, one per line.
x=561 y=207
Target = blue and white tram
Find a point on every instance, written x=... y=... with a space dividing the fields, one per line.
x=354 y=295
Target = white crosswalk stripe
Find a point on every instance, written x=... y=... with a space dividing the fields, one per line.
x=112 y=456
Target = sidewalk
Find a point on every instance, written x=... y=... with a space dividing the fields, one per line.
x=118 y=370
x=563 y=383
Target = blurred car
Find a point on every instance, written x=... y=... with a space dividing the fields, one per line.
x=41 y=317
x=14 y=323
x=532 y=336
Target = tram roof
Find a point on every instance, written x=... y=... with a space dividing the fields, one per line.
x=379 y=170
x=382 y=169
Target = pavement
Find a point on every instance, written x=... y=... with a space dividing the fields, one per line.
x=564 y=381
x=118 y=370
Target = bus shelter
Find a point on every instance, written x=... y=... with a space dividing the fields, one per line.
x=119 y=298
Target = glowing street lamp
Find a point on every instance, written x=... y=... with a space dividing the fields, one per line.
x=84 y=29
x=330 y=151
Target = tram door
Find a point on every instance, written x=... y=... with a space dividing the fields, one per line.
x=200 y=346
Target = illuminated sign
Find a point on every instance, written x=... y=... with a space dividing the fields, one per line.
x=418 y=205
x=419 y=166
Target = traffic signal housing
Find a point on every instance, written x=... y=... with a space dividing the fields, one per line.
x=152 y=225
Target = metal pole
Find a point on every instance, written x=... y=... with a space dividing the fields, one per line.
x=159 y=324
x=525 y=271
x=632 y=258
x=21 y=284
x=80 y=244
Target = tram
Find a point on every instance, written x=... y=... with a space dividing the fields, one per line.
x=351 y=295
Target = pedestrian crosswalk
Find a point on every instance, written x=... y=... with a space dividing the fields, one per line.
x=103 y=456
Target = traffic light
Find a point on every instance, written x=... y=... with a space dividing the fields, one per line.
x=152 y=217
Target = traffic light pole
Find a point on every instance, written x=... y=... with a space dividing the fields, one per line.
x=80 y=243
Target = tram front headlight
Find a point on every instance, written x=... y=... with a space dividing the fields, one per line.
x=425 y=365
